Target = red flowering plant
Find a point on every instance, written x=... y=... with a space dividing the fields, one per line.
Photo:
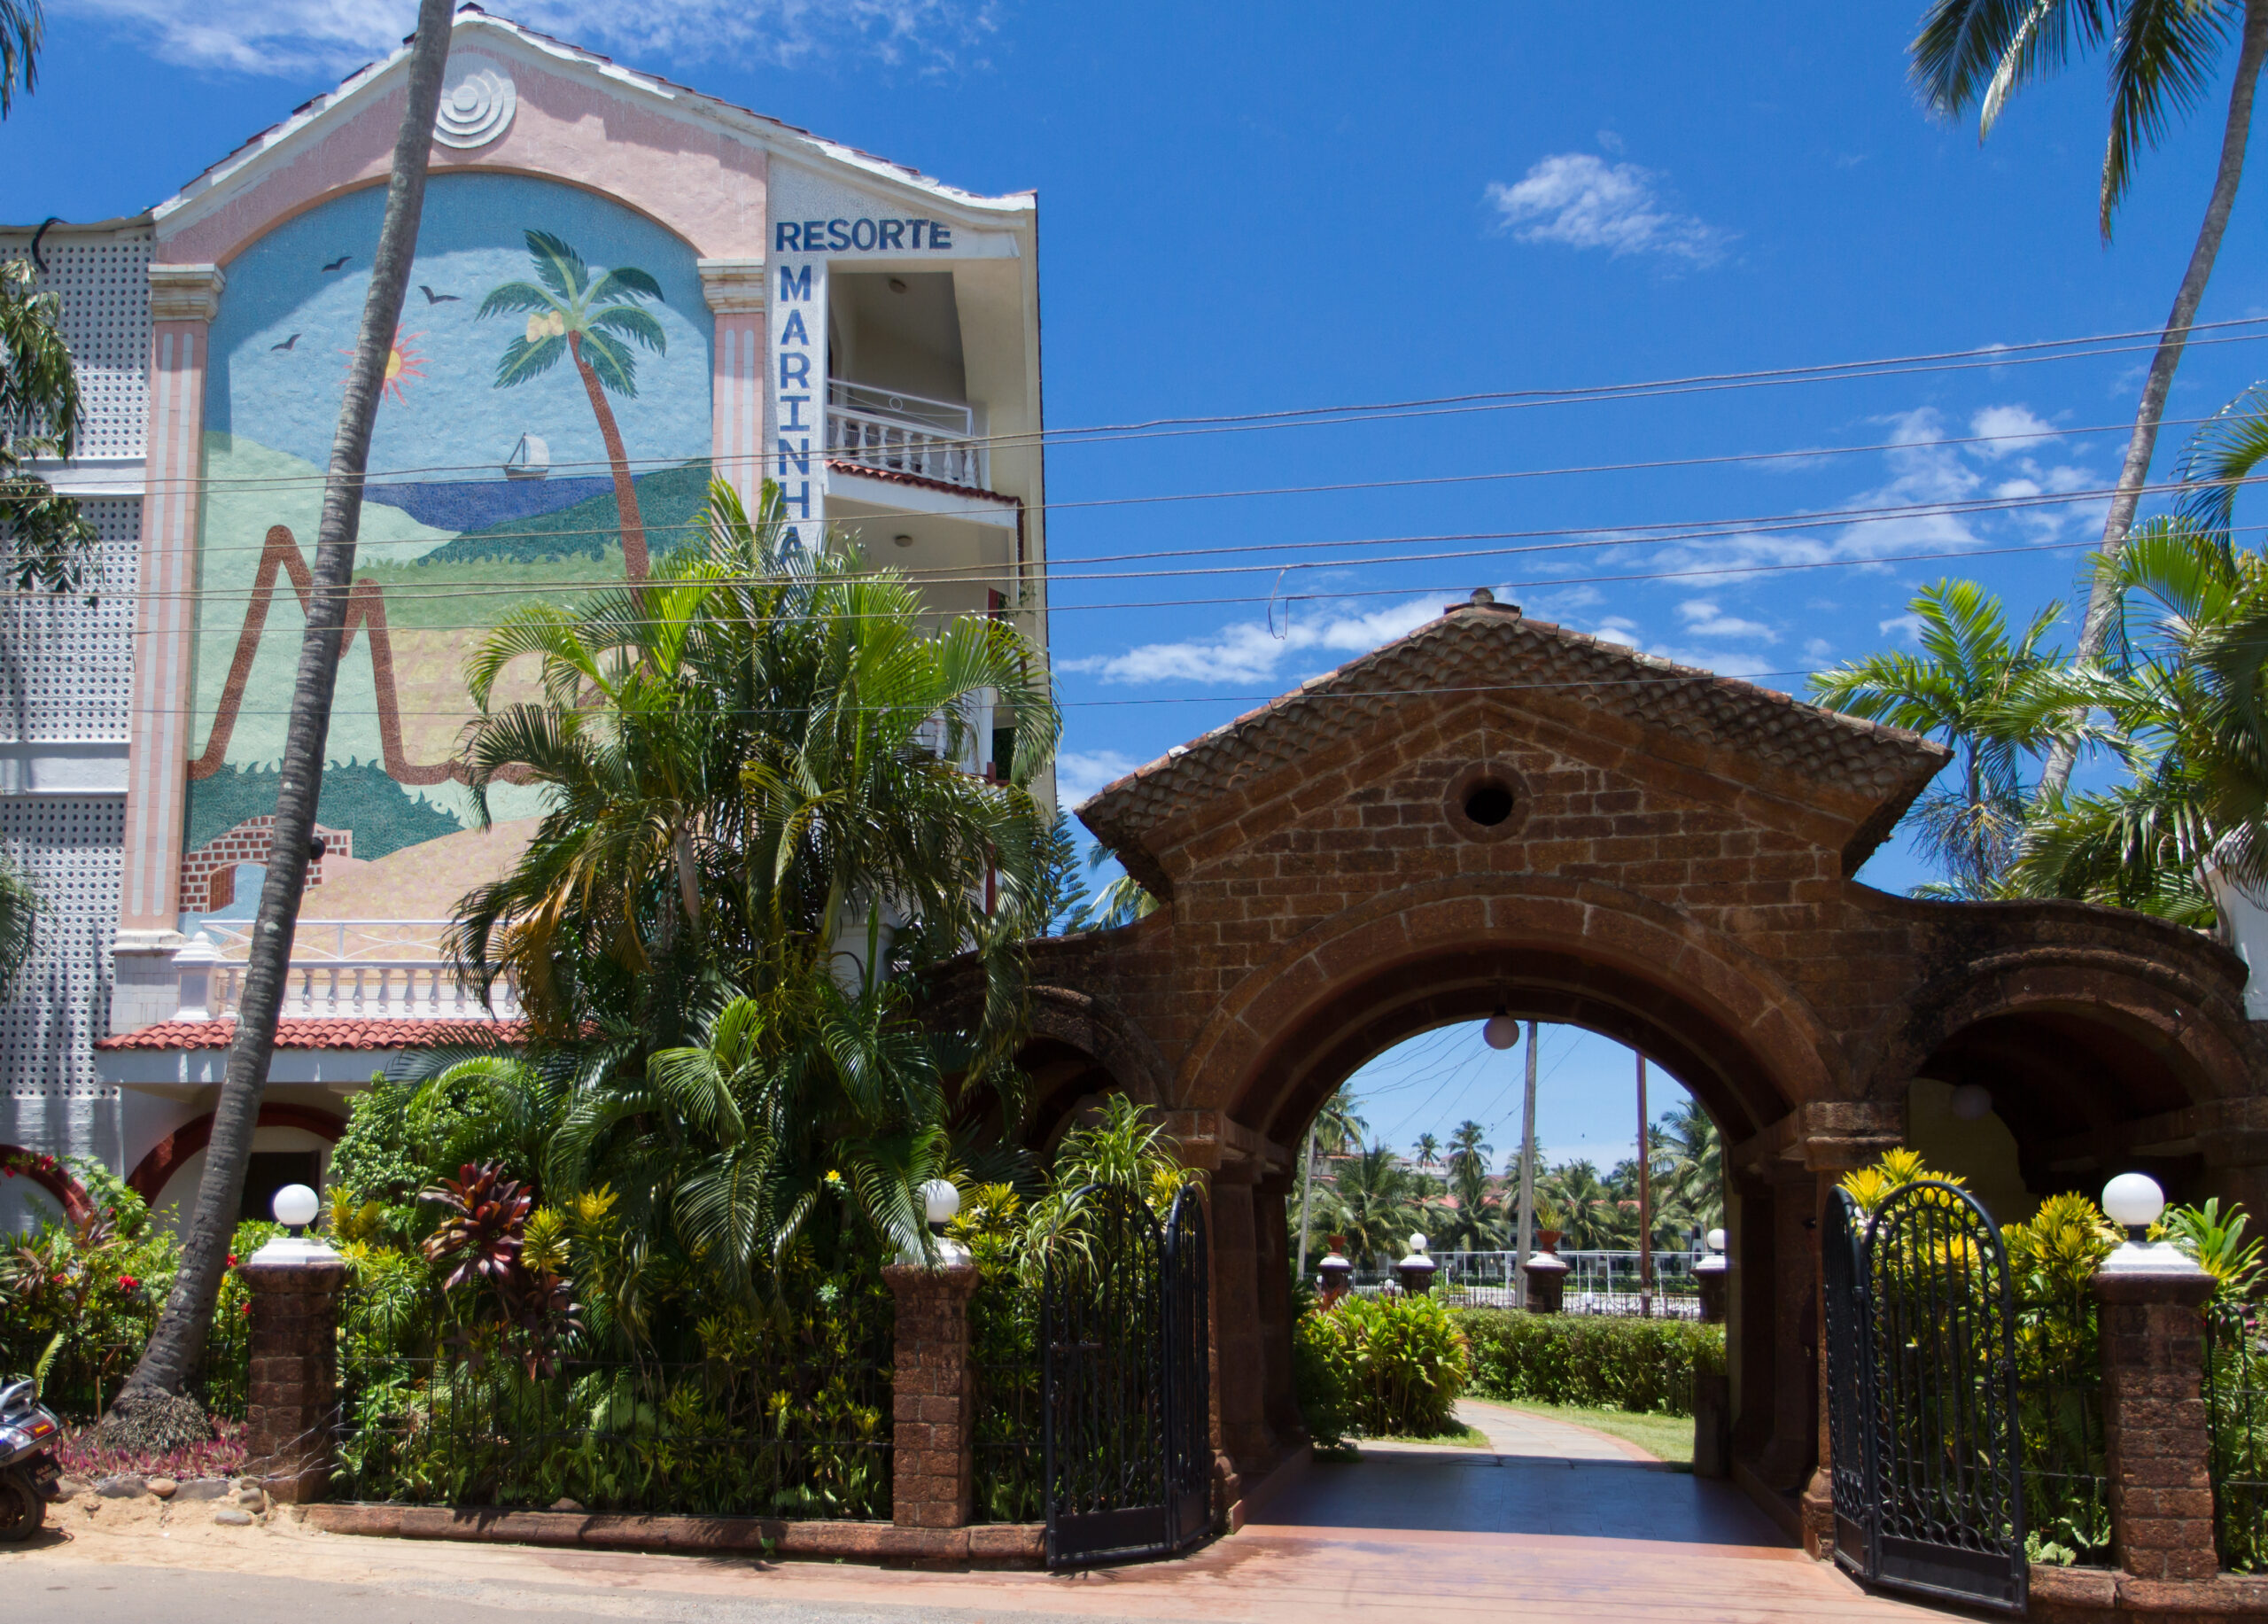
x=91 y=1284
x=483 y=1233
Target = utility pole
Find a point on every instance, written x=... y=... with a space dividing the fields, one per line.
x=1528 y=1175
x=1645 y=1203
x=1307 y=1188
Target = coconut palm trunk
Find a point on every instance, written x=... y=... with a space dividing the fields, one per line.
x=150 y=1410
x=2142 y=444
x=626 y=494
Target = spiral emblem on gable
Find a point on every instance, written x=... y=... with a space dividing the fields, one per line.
x=476 y=109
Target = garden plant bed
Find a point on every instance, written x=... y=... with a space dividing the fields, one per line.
x=983 y=1545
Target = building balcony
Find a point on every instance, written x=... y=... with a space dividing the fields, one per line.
x=892 y=432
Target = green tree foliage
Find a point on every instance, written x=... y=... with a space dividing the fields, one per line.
x=1374 y=1202
x=1970 y=678
x=50 y=544
x=1393 y=1366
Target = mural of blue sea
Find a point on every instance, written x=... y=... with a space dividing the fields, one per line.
x=476 y=504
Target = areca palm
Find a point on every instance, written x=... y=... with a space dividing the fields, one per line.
x=1590 y=1217
x=2162 y=59
x=591 y=320
x=1967 y=688
x=1693 y=1178
x=742 y=760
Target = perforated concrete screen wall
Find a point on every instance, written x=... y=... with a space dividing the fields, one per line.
x=66 y=668
x=106 y=288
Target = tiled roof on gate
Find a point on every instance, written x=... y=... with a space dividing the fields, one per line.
x=327 y=1032
x=1484 y=647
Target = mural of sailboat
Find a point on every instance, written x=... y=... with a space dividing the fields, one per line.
x=531 y=459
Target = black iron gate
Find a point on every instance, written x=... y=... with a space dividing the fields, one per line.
x=1127 y=1429
x=1922 y=1401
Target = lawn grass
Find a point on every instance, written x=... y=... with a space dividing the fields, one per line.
x=1667 y=1438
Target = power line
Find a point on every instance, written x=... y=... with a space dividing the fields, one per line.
x=1980 y=357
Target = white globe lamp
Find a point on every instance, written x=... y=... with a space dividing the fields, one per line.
x=295 y=1205
x=2133 y=1202
x=1501 y=1030
x=940 y=1203
x=1714 y=1241
x=1417 y=1244
x=1972 y=1102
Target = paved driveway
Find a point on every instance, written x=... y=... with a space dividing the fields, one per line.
x=1551 y=1523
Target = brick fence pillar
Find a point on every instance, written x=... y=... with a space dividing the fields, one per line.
x=2153 y=1349
x=292 y=1404
x=932 y=1406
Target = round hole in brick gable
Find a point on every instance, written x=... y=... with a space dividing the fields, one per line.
x=1489 y=803
x=1486 y=801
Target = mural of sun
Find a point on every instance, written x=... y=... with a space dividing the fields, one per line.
x=402 y=363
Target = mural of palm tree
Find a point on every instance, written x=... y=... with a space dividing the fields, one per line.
x=586 y=319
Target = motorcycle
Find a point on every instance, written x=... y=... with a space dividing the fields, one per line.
x=28 y=1469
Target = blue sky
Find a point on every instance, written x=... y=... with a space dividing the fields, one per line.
x=1261 y=206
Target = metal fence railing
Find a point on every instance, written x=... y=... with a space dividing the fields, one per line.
x=1597 y=1282
x=2236 y=1407
x=807 y=1442
x=1008 y=1465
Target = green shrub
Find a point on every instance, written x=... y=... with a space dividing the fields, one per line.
x=1644 y=1365
x=1317 y=1379
x=1398 y=1364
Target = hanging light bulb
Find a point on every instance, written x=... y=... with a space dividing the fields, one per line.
x=1501 y=1030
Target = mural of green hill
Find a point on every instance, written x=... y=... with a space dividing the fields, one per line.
x=358 y=796
x=670 y=502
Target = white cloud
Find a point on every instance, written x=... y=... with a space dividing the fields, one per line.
x=1908 y=627
x=1724 y=662
x=1703 y=618
x=1581 y=201
x=1819 y=650
x=1079 y=773
x=1247 y=652
x=296 y=37
x=2009 y=430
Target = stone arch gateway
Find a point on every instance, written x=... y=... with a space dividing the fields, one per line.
x=1494 y=811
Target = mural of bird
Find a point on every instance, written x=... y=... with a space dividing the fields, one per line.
x=287 y=343
x=338 y=262
x=432 y=297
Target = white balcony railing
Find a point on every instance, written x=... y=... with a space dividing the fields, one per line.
x=890 y=431
x=341 y=970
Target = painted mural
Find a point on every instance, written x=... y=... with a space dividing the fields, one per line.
x=545 y=429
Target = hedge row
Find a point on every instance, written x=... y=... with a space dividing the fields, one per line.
x=1645 y=1365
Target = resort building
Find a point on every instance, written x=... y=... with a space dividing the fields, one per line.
x=791 y=308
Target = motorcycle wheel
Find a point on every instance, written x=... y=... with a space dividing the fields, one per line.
x=21 y=1509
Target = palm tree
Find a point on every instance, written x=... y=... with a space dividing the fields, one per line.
x=1371 y=1203
x=1121 y=902
x=1693 y=1180
x=1336 y=1127
x=23 y=30
x=1590 y=1216
x=586 y=319
x=1969 y=679
x=2163 y=55
x=752 y=781
x=1428 y=1150
x=48 y=539
x=20 y=908
x=150 y=1411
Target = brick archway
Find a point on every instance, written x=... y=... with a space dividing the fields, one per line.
x=1492 y=808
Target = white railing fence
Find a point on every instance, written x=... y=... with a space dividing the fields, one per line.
x=340 y=969
x=1596 y=1283
x=897 y=432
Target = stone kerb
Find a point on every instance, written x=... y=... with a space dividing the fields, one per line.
x=292 y=1403
x=2152 y=1340
x=933 y=1482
